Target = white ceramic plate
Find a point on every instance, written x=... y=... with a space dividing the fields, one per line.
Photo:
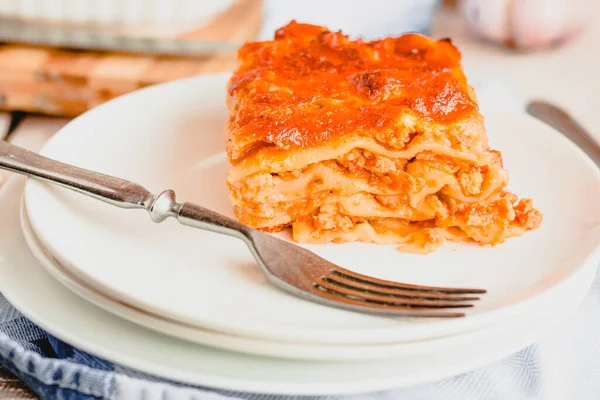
x=171 y=136
x=24 y=282
x=270 y=348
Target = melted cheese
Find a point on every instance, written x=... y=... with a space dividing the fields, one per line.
x=347 y=140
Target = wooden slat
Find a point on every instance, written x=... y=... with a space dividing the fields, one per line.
x=168 y=69
x=7 y=76
x=55 y=66
x=232 y=24
x=79 y=69
x=119 y=73
x=218 y=63
x=57 y=81
x=22 y=59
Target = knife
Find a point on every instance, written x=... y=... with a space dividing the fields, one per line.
x=565 y=124
x=81 y=38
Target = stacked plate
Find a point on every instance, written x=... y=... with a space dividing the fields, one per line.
x=204 y=292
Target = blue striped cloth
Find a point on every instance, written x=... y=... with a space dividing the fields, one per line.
x=564 y=365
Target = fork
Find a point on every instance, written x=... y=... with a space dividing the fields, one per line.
x=286 y=265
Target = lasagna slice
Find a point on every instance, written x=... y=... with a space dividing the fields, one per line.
x=375 y=141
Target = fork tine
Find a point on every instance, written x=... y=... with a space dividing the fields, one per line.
x=344 y=273
x=379 y=290
x=390 y=309
x=331 y=286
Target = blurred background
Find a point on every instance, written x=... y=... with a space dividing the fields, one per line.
x=63 y=57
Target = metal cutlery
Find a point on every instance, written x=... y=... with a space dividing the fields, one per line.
x=288 y=266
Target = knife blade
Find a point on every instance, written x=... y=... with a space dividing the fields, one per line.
x=83 y=38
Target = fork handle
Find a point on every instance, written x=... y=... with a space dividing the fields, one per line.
x=116 y=191
x=196 y=216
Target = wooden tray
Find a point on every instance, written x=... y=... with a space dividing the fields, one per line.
x=67 y=83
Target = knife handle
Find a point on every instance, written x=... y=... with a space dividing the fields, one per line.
x=564 y=123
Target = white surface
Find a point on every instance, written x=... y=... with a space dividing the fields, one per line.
x=115 y=11
x=54 y=308
x=212 y=281
x=369 y=19
x=288 y=349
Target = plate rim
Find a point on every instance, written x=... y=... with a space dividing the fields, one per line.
x=16 y=296
x=155 y=322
